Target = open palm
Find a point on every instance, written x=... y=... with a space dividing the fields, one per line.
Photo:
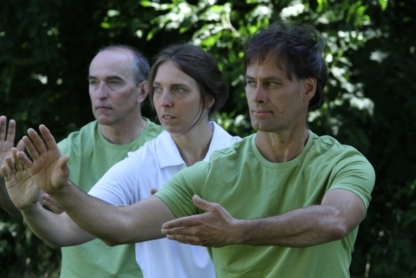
x=47 y=167
x=7 y=137
x=22 y=191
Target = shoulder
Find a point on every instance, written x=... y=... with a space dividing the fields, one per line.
x=80 y=137
x=152 y=129
x=344 y=161
x=239 y=146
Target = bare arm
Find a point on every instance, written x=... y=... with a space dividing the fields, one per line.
x=114 y=225
x=55 y=230
x=339 y=212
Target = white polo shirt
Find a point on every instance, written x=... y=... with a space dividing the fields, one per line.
x=131 y=180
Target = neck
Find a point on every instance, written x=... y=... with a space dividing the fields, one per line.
x=194 y=144
x=281 y=147
x=123 y=133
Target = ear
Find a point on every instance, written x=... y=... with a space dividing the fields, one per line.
x=143 y=91
x=309 y=88
x=209 y=101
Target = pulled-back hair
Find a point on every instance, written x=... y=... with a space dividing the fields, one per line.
x=140 y=66
x=197 y=64
x=296 y=49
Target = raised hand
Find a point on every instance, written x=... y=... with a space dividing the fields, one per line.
x=214 y=228
x=22 y=191
x=48 y=167
x=7 y=137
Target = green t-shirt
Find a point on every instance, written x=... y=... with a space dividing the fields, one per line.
x=247 y=185
x=91 y=155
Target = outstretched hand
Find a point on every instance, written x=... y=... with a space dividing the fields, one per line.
x=48 y=168
x=22 y=191
x=7 y=137
x=214 y=228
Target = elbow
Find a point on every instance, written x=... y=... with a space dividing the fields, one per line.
x=338 y=231
x=53 y=246
x=339 y=227
x=111 y=242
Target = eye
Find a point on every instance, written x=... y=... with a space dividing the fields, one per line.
x=114 y=82
x=92 y=82
x=250 y=83
x=157 y=89
x=271 y=84
x=179 y=90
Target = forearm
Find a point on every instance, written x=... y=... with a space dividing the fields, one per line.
x=56 y=230
x=298 y=228
x=92 y=214
x=114 y=225
x=5 y=201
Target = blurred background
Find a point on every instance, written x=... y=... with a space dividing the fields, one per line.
x=46 y=47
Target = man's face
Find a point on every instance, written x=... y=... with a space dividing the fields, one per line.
x=276 y=103
x=113 y=91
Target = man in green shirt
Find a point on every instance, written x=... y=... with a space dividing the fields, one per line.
x=117 y=87
x=283 y=202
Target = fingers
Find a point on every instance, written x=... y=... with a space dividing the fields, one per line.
x=204 y=205
x=7 y=133
x=3 y=121
x=9 y=168
x=20 y=145
x=181 y=222
x=6 y=173
x=62 y=166
x=11 y=131
x=32 y=151
x=52 y=204
x=13 y=163
x=37 y=142
x=24 y=159
x=49 y=139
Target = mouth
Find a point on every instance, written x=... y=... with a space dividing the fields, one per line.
x=259 y=111
x=102 y=107
x=167 y=117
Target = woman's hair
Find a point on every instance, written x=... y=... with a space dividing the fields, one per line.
x=297 y=49
x=200 y=66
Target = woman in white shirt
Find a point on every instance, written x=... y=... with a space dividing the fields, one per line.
x=186 y=87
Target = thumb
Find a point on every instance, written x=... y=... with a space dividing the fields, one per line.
x=201 y=203
x=5 y=173
x=63 y=167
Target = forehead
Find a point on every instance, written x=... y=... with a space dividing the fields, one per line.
x=169 y=73
x=271 y=65
x=112 y=63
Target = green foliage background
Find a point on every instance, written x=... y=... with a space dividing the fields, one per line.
x=46 y=47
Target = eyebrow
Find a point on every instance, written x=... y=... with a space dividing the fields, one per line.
x=107 y=77
x=174 y=84
x=267 y=78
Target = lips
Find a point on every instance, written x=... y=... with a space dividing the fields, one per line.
x=102 y=107
x=260 y=111
x=168 y=117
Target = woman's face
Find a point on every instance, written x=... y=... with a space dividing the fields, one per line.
x=177 y=99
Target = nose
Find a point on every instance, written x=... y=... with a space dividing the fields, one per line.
x=259 y=94
x=100 y=91
x=166 y=99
